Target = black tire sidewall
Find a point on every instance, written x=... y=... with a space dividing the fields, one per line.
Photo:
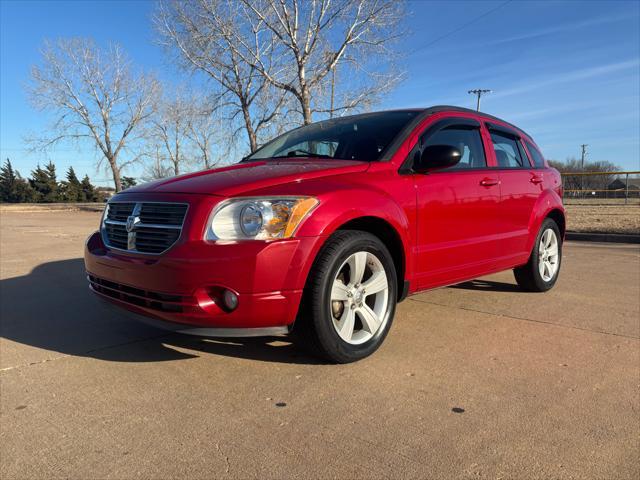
x=327 y=335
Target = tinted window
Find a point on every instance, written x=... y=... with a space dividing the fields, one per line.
x=360 y=137
x=523 y=154
x=467 y=140
x=507 y=152
x=538 y=159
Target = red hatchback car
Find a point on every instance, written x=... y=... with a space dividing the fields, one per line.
x=324 y=229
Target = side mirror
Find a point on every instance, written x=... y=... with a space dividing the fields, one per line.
x=436 y=157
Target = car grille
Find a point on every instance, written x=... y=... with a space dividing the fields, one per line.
x=143 y=227
x=141 y=298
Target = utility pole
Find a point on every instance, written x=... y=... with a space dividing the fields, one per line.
x=583 y=147
x=584 y=154
x=479 y=92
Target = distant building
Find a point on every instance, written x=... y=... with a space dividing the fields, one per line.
x=619 y=189
x=106 y=192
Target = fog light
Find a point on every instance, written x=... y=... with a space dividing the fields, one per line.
x=230 y=300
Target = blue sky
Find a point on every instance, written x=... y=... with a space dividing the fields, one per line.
x=566 y=72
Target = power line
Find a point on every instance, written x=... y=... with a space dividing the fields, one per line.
x=478 y=92
x=456 y=30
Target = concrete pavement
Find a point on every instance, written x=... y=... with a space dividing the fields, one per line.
x=479 y=380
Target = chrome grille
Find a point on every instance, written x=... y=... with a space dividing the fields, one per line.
x=143 y=227
x=120 y=211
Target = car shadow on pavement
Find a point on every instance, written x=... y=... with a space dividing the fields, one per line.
x=52 y=308
x=488 y=286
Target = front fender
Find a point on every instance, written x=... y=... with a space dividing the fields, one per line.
x=343 y=206
x=547 y=202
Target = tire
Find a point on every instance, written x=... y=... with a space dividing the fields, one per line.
x=335 y=300
x=534 y=276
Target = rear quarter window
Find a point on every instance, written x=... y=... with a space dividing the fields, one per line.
x=538 y=159
x=508 y=154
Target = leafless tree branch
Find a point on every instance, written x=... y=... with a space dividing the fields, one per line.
x=94 y=96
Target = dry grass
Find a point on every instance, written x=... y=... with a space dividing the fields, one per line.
x=46 y=207
x=601 y=201
x=604 y=218
x=581 y=218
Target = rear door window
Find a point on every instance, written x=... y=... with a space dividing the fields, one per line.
x=507 y=152
x=538 y=159
x=467 y=140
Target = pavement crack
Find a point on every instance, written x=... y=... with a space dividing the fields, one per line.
x=526 y=319
x=6 y=369
x=226 y=458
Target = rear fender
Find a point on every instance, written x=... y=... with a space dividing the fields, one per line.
x=548 y=201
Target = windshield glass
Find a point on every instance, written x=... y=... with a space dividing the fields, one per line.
x=360 y=137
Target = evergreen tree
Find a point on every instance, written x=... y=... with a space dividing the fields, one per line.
x=52 y=183
x=24 y=192
x=128 y=182
x=8 y=183
x=45 y=184
x=72 y=188
x=13 y=188
x=88 y=191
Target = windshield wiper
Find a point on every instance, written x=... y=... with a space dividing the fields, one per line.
x=302 y=153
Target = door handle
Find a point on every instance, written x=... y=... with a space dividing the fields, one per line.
x=536 y=180
x=489 y=182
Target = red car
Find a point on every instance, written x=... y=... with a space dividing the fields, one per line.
x=324 y=229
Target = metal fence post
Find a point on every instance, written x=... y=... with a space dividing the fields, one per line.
x=626 y=189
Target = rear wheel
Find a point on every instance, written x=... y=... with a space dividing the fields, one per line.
x=540 y=273
x=350 y=297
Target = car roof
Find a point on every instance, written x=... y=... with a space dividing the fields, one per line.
x=451 y=108
x=428 y=111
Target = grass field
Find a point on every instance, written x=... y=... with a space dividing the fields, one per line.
x=603 y=218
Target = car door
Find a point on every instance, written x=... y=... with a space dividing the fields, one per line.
x=456 y=207
x=520 y=186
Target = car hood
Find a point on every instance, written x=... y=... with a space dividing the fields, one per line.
x=244 y=177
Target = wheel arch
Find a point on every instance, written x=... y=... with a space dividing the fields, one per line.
x=548 y=205
x=558 y=216
x=391 y=239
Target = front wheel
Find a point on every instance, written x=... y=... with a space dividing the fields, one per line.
x=350 y=297
x=540 y=273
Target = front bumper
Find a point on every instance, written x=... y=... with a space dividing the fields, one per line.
x=217 y=332
x=181 y=285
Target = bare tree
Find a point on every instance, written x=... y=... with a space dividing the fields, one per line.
x=204 y=132
x=211 y=36
x=157 y=168
x=95 y=97
x=311 y=38
x=575 y=183
x=170 y=130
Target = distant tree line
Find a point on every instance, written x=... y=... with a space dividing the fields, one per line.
x=586 y=182
x=44 y=187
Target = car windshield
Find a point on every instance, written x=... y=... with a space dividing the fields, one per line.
x=360 y=137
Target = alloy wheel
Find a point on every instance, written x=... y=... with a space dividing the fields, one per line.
x=359 y=298
x=548 y=260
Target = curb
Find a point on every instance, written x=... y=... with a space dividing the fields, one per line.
x=603 y=237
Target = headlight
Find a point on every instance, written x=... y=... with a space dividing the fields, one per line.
x=258 y=218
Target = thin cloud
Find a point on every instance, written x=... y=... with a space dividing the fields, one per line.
x=543 y=32
x=572 y=107
x=583 y=74
x=561 y=29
